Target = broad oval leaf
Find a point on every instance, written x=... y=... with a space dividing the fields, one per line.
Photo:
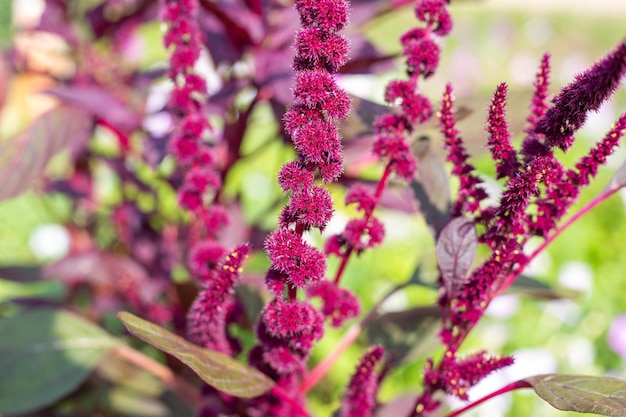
x=24 y=157
x=44 y=355
x=584 y=394
x=216 y=369
x=456 y=249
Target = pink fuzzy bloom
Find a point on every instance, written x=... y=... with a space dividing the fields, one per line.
x=360 y=397
x=361 y=235
x=289 y=254
x=318 y=90
x=395 y=150
x=312 y=207
x=296 y=322
x=332 y=167
x=319 y=49
x=183 y=147
x=328 y=15
x=317 y=141
x=335 y=245
x=435 y=14
x=362 y=196
x=391 y=123
x=204 y=257
x=338 y=304
x=283 y=360
x=298 y=116
x=184 y=56
x=422 y=56
x=276 y=282
x=293 y=176
x=202 y=178
x=190 y=198
x=215 y=218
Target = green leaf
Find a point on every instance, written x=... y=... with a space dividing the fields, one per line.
x=584 y=394
x=44 y=355
x=216 y=369
x=39 y=289
x=407 y=334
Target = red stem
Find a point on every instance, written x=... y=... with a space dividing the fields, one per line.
x=277 y=391
x=588 y=207
x=121 y=137
x=377 y=194
x=323 y=367
x=512 y=386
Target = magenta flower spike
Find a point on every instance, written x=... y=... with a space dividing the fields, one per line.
x=588 y=91
x=499 y=141
x=206 y=319
x=360 y=397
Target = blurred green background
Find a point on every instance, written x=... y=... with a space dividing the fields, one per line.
x=492 y=42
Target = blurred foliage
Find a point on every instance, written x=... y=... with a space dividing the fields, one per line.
x=487 y=47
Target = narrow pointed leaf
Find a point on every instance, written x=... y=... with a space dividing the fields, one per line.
x=584 y=394
x=44 y=355
x=216 y=369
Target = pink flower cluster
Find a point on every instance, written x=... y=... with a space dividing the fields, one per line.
x=201 y=181
x=288 y=327
x=421 y=52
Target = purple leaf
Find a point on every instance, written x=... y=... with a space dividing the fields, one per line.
x=105 y=270
x=100 y=103
x=216 y=369
x=456 y=249
x=584 y=394
x=24 y=157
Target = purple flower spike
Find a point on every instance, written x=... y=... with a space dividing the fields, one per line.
x=585 y=94
x=499 y=141
x=588 y=165
x=470 y=193
x=206 y=320
x=463 y=374
x=539 y=103
x=360 y=398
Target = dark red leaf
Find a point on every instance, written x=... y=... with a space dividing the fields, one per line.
x=456 y=249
